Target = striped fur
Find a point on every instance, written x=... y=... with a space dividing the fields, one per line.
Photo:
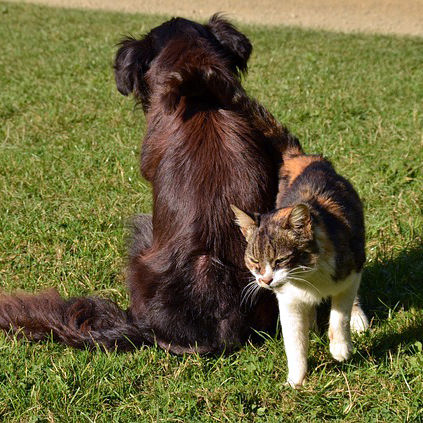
x=309 y=248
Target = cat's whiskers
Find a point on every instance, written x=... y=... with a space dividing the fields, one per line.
x=299 y=270
x=248 y=293
x=246 y=290
x=296 y=278
x=253 y=297
x=249 y=284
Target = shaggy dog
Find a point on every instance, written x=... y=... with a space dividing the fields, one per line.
x=208 y=145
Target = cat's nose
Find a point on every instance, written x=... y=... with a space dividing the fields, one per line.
x=267 y=280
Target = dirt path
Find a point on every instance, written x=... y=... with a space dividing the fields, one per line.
x=378 y=16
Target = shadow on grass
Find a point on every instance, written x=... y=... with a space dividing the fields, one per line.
x=391 y=287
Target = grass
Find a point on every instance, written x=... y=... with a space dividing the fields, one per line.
x=69 y=179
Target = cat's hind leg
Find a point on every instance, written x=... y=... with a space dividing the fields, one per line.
x=339 y=320
x=359 y=322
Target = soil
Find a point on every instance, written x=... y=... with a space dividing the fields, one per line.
x=404 y=17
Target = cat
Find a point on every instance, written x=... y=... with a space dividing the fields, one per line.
x=309 y=248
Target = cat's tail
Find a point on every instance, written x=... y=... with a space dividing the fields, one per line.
x=292 y=148
x=282 y=140
x=79 y=322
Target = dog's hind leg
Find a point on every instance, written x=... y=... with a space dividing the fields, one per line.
x=141 y=237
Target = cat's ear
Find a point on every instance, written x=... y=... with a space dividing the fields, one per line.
x=300 y=217
x=246 y=221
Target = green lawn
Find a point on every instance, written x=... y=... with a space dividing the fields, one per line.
x=69 y=180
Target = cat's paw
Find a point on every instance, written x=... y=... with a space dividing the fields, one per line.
x=296 y=378
x=295 y=384
x=340 y=351
x=359 y=322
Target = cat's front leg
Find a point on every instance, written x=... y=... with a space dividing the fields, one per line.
x=339 y=321
x=295 y=323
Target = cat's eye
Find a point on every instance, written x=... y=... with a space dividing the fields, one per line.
x=281 y=260
x=253 y=260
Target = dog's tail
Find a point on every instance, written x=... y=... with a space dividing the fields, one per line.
x=79 y=322
x=83 y=321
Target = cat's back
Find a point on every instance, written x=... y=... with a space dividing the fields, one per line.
x=312 y=180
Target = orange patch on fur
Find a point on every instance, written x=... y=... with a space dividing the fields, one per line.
x=333 y=208
x=294 y=165
x=282 y=214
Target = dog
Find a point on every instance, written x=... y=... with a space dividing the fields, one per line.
x=207 y=145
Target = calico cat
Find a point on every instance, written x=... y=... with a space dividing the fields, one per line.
x=309 y=248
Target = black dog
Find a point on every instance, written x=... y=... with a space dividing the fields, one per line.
x=208 y=145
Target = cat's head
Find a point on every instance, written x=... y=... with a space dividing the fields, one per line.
x=281 y=245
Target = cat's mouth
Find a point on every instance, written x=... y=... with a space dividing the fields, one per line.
x=296 y=276
x=272 y=284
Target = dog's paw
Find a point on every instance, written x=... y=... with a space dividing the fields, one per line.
x=340 y=351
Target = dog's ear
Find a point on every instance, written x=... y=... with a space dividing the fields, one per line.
x=131 y=63
x=236 y=44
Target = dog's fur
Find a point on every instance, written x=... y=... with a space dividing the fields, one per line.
x=207 y=145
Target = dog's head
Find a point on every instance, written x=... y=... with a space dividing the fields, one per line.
x=167 y=43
